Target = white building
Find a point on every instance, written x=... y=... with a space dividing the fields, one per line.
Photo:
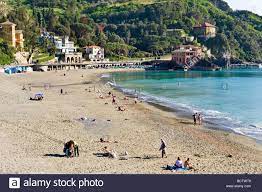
x=63 y=45
x=94 y=53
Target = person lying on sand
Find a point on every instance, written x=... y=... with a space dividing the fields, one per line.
x=120 y=108
x=104 y=141
x=101 y=96
x=126 y=98
x=109 y=153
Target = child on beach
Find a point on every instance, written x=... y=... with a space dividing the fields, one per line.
x=163 y=148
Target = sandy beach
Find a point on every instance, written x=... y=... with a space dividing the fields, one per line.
x=32 y=133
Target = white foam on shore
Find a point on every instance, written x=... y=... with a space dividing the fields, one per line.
x=211 y=118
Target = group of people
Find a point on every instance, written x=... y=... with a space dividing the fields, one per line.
x=180 y=165
x=197 y=117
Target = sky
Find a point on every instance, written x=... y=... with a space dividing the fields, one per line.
x=251 y=5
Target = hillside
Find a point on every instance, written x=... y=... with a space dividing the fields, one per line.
x=134 y=28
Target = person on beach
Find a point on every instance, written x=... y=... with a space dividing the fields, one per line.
x=109 y=153
x=199 y=117
x=104 y=141
x=136 y=101
x=120 y=108
x=195 y=118
x=187 y=164
x=71 y=149
x=114 y=100
x=179 y=163
x=61 y=91
x=163 y=148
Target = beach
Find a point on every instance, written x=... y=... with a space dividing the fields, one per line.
x=32 y=133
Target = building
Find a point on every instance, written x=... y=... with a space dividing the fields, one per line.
x=72 y=58
x=184 y=54
x=94 y=53
x=66 y=51
x=12 y=36
x=19 y=39
x=63 y=45
x=205 y=31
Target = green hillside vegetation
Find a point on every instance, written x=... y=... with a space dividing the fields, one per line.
x=134 y=28
x=6 y=53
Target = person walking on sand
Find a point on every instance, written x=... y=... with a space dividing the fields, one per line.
x=195 y=118
x=163 y=148
x=114 y=100
x=199 y=117
x=61 y=91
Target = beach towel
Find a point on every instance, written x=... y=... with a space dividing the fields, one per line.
x=174 y=168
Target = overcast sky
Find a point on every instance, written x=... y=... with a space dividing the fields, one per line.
x=251 y=5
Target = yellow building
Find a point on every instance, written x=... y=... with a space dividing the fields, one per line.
x=206 y=30
x=10 y=35
x=19 y=39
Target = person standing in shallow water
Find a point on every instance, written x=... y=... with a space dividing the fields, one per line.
x=195 y=116
x=163 y=148
x=199 y=117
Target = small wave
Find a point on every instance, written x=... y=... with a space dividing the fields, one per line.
x=212 y=118
x=106 y=75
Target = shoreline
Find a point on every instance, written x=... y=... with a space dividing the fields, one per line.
x=33 y=132
x=178 y=113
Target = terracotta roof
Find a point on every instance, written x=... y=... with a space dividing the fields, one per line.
x=7 y=23
x=92 y=46
x=204 y=25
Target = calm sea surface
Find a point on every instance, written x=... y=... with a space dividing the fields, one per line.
x=229 y=100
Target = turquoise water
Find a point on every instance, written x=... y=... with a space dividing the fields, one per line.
x=229 y=100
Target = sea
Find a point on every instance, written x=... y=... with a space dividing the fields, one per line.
x=230 y=100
